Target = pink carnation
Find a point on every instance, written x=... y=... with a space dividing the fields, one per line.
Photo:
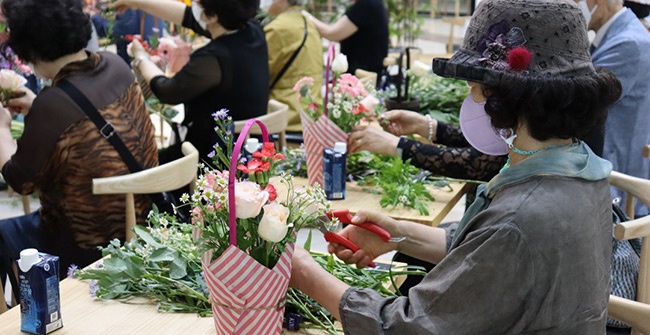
x=351 y=86
x=308 y=81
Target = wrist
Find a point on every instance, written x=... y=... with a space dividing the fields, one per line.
x=135 y=63
x=431 y=125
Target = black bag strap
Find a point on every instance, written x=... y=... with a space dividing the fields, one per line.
x=105 y=129
x=293 y=57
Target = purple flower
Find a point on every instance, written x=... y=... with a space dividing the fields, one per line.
x=496 y=45
x=211 y=154
x=220 y=114
x=93 y=288
x=71 y=269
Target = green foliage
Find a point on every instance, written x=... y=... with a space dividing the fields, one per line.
x=398 y=185
x=161 y=264
x=165 y=111
x=17 y=129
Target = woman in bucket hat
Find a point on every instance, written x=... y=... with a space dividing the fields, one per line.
x=532 y=254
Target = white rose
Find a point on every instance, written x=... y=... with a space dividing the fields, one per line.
x=420 y=68
x=249 y=199
x=340 y=63
x=273 y=226
x=10 y=80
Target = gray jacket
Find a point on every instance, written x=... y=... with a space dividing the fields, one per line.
x=531 y=256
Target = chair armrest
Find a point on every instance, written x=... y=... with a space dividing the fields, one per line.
x=634 y=313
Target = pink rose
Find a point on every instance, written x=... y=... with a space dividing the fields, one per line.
x=249 y=199
x=273 y=226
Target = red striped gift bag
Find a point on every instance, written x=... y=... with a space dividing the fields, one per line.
x=247 y=297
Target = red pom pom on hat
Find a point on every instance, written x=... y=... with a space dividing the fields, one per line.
x=519 y=58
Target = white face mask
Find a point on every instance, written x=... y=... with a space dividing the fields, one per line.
x=196 y=12
x=265 y=5
x=586 y=12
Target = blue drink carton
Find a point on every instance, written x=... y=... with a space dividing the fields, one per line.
x=334 y=171
x=40 y=303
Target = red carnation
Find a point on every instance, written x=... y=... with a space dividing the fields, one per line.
x=273 y=193
x=519 y=58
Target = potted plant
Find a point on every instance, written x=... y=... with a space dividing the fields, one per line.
x=403 y=99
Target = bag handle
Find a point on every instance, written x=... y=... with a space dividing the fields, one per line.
x=232 y=215
x=331 y=54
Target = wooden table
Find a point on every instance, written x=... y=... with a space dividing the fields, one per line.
x=356 y=199
x=83 y=315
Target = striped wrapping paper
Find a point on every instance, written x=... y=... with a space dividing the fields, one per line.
x=319 y=135
x=247 y=297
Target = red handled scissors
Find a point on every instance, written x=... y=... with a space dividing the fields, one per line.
x=331 y=228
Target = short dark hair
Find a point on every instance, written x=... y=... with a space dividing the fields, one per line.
x=232 y=14
x=45 y=30
x=553 y=107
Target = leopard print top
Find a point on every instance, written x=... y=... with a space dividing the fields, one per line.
x=61 y=150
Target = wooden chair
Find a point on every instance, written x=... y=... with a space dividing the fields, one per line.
x=368 y=78
x=646 y=151
x=23 y=198
x=14 y=298
x=634 y=313
x=167 y=177
x=275 y=121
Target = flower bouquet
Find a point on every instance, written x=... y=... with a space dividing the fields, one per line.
x=244 y=230
x=345 y=106
x=10 y=81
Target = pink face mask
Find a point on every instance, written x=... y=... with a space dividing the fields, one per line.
x=477 y=129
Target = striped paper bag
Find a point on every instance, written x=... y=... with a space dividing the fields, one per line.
x=318 y=135
x=247 y=297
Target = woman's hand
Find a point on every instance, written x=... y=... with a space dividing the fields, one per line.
x=372 y=139
x=403 y=122
x=300 y=263
x=138 y=50
x=370 y=245
x=23 y=102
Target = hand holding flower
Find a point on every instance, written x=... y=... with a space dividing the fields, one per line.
x=21 y=100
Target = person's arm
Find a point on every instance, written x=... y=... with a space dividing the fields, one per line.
x=310 y=278
x=611 y=60
x=168 y=10
x=336 y=32
x=454 y=162
x=201 y=73
x=458 y=296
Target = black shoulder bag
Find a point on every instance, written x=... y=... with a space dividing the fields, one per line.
x=165 y=201
x=293 y=57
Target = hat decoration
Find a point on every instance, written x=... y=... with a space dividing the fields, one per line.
x=502 y=48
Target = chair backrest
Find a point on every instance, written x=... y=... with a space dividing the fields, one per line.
x=14 y=290
x=166 y=177
x=368 y=78
x=634 y=313
x=276 y=122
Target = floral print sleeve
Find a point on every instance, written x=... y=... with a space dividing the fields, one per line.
x=457 y=160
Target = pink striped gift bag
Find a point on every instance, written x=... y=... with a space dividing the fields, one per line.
x=317 y=136
x=247 y=296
